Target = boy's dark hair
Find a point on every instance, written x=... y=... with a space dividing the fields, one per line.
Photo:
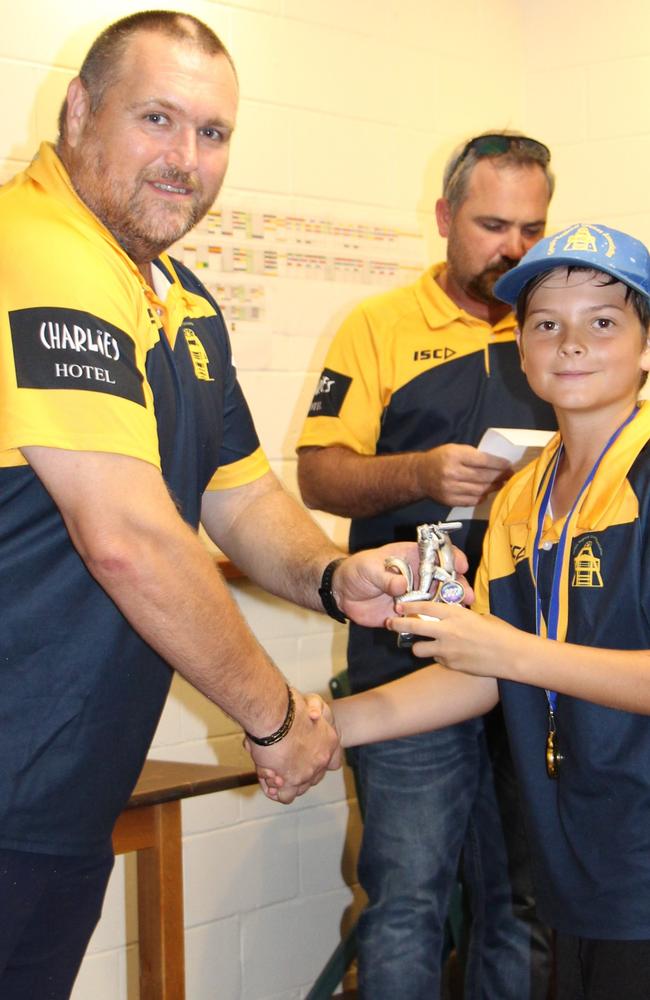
x=102 y=65
x=639 y=302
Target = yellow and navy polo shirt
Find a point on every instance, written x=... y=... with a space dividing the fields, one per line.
x=407 y=371
x=590 y=829
x=91 y=359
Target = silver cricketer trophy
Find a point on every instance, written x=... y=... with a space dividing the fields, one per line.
x=436 y=574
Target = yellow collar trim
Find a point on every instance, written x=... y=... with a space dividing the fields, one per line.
x=439 y=310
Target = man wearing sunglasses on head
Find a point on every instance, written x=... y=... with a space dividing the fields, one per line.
x=411 y=382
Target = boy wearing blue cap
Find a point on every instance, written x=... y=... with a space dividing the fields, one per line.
x=566 y=560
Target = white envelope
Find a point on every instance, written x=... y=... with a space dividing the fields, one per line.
x=519 y=446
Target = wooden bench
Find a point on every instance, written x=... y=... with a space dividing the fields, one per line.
x=151 y=825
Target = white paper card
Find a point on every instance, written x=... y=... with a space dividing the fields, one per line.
x=519 y=446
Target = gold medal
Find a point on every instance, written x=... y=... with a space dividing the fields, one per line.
x=553 y=756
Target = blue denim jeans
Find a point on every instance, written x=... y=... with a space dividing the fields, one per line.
x=429 y=801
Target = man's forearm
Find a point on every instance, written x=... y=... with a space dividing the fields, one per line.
x=342 y=482
x=269 y=536
x=127 y=530
x=176 y=600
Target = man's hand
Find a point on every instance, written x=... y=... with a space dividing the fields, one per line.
x=459 y=475
x=317 y=708
x=365 y=590
x=310 y=748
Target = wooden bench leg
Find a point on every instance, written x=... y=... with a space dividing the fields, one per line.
x=160 y=908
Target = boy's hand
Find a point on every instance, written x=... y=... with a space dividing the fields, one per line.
x=459 y=639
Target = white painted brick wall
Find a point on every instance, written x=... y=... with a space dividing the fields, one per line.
x=587 y=91
x=350 y=107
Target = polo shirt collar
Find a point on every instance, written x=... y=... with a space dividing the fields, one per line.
x=440 y=311
x=604 y=492
x=48 y=170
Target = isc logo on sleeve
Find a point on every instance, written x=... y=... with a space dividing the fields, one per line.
x=70 y=349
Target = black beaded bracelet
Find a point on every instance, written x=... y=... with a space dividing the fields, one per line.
x=326 y=594
x=279 y=734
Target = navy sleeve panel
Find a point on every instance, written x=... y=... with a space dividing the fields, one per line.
x=239 y=435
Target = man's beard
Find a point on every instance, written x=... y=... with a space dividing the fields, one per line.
x=142 y=227
x=481 y=287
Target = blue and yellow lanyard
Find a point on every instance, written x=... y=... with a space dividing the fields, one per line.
x=553 y=756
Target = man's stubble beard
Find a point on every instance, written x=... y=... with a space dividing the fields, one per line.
x=129 y=218
x=481 y=287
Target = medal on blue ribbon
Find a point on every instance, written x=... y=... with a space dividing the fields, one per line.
x=553 y=756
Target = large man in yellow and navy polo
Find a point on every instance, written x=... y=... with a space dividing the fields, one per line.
x=121 y=425
x=413 y=379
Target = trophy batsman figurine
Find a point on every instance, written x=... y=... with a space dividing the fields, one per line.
x=436 y=574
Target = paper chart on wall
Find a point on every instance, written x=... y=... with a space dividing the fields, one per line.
x=266 y=259
x=519 y=446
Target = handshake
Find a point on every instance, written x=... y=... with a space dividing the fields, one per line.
x=311 y=747
x=366 y=586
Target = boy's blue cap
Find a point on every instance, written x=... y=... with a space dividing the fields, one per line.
x=604 y=249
